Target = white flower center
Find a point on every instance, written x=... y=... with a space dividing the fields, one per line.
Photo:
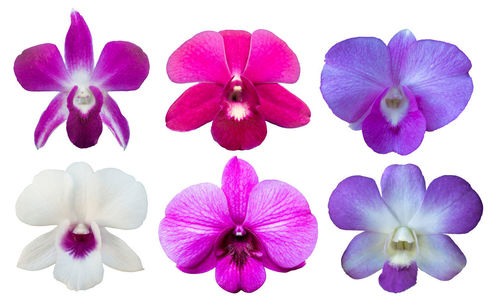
x=81 y=229
x=84 y=99
x=394 y=106
x=401 y=246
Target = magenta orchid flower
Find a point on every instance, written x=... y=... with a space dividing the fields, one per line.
x=395 y=93
x=83 y=98
x=405 y=228
x=240 y=229
x=238 y=74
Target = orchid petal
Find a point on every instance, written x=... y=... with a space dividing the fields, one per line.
x=117 y=254
x=237 y=49
x=238 y=180
x=116 y=122
x=78 y=47
x=231 y=277
x=41 y=68
x=280 y=217
x=207 y=264
x=56 y=113
x=200 y=59
x=450 y=206
x=197 y=106
x=356 y=204
x=398 y=46
x=397 y=279
x=271 y=60
x=84 y=129
x=80 y=174
x=282 y=108
x=40 y=253
x=356 y=71
x=122 y=66
x=364 y=255
x=439 y=256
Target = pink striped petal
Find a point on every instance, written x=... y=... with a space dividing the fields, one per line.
x=56 y=113
x=200 y=59
x=281 y=107
x=271 y=60
x=78 y=47
x=122 y=66
x=84 y=129
x=113 y=118
x=197 y=106
x=237 y=49
x=41 y=68
x=232 y=277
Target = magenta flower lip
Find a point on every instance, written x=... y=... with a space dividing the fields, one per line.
x=238 y=91
x=405 y=228
x=83 y=98
x=239 y=229
x=395 y=93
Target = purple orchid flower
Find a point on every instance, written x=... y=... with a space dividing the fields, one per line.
x=240 y=229
x=83 y=98
x=405 y=228
x=395 y=93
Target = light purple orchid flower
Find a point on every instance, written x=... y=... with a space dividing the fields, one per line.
x=83 y=98
x=404 y=229
x=395 y=93
x=240 y=230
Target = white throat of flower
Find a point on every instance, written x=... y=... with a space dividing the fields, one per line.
x=394 y=106
x=84 y=100
x=402 y=246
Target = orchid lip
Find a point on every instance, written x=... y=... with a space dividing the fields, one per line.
x=402 y=246
x=240 y=244
x=394 y=105
x=79 y=241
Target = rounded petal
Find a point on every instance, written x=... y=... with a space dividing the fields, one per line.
x=282 y=108
x=80 y=174
x=84 y=129
x=439 y=256
x=355 y=204
x=356 y=71
x=41 y=68
x=398 y=46
x=193 y=221
x=231 y=277
x=279 y=215
x=200 y=59
x=197 y=106
x=237 y=49
x=238 y=180
x=403 y=190
x=40 y=253
x=437 y=73
x=122 y=66
x=271 y=60
x=56 y=113
x=78 y=46
x=117 y=254
x=397 y=279
x=364 y=255
x=47 y=201
x=116 y=122
x=450 y=206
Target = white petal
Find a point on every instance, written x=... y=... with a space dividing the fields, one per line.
x=47 y=200
x=81 y=173
x=78 y=274
x=40 y=253
x=116 y=199
x=117 y=254
x=439 y=256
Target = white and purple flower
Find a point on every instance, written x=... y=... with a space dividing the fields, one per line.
x=395 y=93
x=83 y=98
x=405 y=228
x=240 y=230
x=81 y=203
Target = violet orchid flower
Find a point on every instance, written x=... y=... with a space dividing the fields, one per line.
x=81 y=203
x=238 y=72
x=83 y=98
x=404 y=229
x=240 y=229
x=395 y=93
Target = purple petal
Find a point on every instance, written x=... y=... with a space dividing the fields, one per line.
x=232 y=277
x=356 y=205
x=398 y=46
x=193 y=221
x=450 y=206
x=41 y=68
x=356 y=71
x=113 y=118
x=84 y=128
x=122 y=66
x=56 y=113
x=78 y=47
x=439 y=256
x=398 y=279
x=437 y=74
x=205 y=265
x=280 y=217
x=403 y=190
x=238 y=180
x=364 y=255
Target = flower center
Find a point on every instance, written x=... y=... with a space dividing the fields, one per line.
x=394 y=106
x=79 y=241
x=402 y=247
x=240 y=245
x=84 y=100
x=238 y=98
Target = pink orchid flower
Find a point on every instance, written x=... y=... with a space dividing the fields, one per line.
x=237 y=90
x=83 y=98
x=240 y=230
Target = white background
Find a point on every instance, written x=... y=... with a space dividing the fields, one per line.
x=314 y=158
